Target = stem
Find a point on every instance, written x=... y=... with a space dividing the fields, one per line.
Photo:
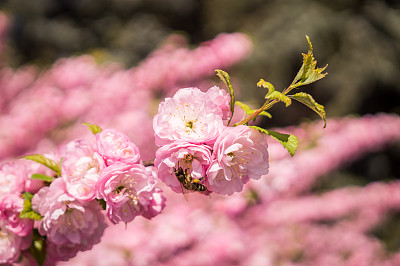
x=265 y=106
x=288 y=89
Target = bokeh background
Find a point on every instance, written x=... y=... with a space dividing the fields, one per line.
x=358 y=39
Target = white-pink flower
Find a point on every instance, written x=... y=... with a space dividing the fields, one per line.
x=115 y=146
x=70 y=225
x=12 y=178
x=190 y=115
x=80 y=169
x=11 y=206
x=193 y=158
x=240 y=153
x=222 y=99
x=129 y=191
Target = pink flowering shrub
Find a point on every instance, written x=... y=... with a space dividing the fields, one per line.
x=62 y=202
x=65 y=190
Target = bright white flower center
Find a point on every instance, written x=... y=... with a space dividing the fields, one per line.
x=188 y=118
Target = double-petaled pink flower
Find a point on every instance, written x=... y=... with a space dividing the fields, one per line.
x=15 y=232
x=190 y=115
x=11 y=206
x=81 y=168
x=240 y=153
x=70 y=225
x=129 y=191
x=11 y=245
x=193 y=158
x=114 y=146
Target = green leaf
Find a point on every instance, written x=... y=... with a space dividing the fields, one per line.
x=245 y=107
x=39 y=158
x=267 y=85
x=42 y=177
x=30 y=215
x=250 y=111
x=94 y=128
x=27 y=211
x=289 y=142
x=308 y=72
x=276 y=95
x=227 y=80
x=309 y=101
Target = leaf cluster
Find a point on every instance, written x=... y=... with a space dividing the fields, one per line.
x=308 y=73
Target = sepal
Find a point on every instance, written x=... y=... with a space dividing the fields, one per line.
x=93 y=128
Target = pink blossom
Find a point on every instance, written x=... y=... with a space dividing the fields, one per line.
x=81 y=169
x=11 y=206
x=195 y=158
x=70 y=225
x=12 y=177
x=222 y=99
x=129 y=191
x=10 y=246
x=190 y=115
x=240 y=154
x=115 y=146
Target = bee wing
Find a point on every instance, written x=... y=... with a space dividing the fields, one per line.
x=184 y=192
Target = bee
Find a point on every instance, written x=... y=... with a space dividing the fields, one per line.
x=187 y=182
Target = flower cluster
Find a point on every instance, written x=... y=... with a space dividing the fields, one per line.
x=280 y=219
x=107 y=173
x=75 y=192
x=198 y=151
